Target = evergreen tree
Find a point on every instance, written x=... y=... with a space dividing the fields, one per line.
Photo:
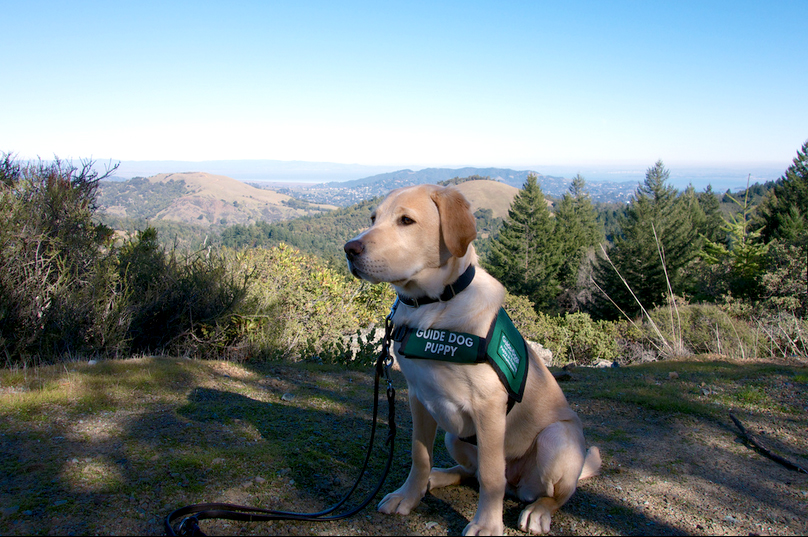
x=711 y=206
x=658 y=224
x=577 y=229
x=783 y=213
x=526 y=256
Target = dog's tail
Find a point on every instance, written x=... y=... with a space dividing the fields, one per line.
x=591 y=463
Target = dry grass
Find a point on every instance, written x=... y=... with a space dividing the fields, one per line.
x=115 y=446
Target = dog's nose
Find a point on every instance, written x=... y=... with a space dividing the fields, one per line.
x=354 y=249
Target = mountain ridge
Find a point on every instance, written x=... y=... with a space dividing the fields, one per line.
x=199 y=198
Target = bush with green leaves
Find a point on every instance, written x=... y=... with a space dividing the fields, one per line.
x=58 y=283
x=300 y=308
x=572 y=337
x=180 y=303
x=701 y=329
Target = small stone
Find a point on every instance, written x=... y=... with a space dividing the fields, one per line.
x=217 y=460
x=431 y=524
x=92 y=362
x=730 y=519
x=154 y=458
x=288 y=396
x=673 y=375
x=247 y=484
x=291 y=482
x=8 y=511
x=28 y=512
x=57 y=503
x=259 y=480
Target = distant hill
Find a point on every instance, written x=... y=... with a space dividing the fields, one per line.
x=325 y=234
x=489 y=195
x=350 y=192
x=198 y=198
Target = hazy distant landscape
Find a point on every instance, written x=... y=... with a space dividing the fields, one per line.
x=721 y=177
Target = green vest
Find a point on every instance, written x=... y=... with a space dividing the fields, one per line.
x=504 y=348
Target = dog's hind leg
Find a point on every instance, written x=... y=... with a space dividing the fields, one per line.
x=560 y=455
x=465 y=454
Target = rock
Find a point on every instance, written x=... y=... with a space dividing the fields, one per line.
x=545 y=355
x=8 y=511
x=672 y=375
x=602 y=363
x=259 y=480
x=57 y=503
x=92 y=362
x=217 y=460
x=287 y=396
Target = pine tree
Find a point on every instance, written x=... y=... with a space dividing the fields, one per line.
x=658 y=224
x=525 y=256
x=713 y=220
x=783 y=213
x=578 y=230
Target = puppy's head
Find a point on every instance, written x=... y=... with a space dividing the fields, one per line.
x=413 y=230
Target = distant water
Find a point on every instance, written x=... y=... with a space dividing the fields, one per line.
x=732 y=177
x=721 y=179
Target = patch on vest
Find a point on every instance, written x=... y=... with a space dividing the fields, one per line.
x=504 y=348
x=443 y=345
x=508 y=354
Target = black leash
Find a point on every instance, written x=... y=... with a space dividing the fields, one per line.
x=193 y=514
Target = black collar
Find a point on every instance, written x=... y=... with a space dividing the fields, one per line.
x=449 y=291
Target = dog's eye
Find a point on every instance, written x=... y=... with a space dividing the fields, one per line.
x=407 y=221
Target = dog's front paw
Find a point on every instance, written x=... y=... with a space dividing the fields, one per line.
x=535 y=518
x=398 y=503
x=475 y=528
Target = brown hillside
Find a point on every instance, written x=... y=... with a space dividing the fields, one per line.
x=217 y=199
x=489 y=195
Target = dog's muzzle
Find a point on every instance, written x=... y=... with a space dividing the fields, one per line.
x=353 y=250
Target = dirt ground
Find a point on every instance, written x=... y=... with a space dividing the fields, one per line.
x=209 y=438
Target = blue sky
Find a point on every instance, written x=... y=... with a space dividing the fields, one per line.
x=516 y=84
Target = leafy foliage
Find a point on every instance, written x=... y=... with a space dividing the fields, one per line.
x=141 y=197
x=321 y=234
x=57 y=279
x=303 y=308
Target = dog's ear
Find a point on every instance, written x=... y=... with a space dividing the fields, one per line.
x=457 y=225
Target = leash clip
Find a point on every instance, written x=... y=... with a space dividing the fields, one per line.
x=189 y=527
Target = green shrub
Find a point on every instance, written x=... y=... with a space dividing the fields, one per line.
x=182 y=304
x=573 y=337
x=58 y=286
x=705 y=329
x=303 y=309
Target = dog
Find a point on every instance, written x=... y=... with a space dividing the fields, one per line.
x=420 y=241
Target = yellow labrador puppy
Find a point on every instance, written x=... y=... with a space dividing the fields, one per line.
x=420 y=242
